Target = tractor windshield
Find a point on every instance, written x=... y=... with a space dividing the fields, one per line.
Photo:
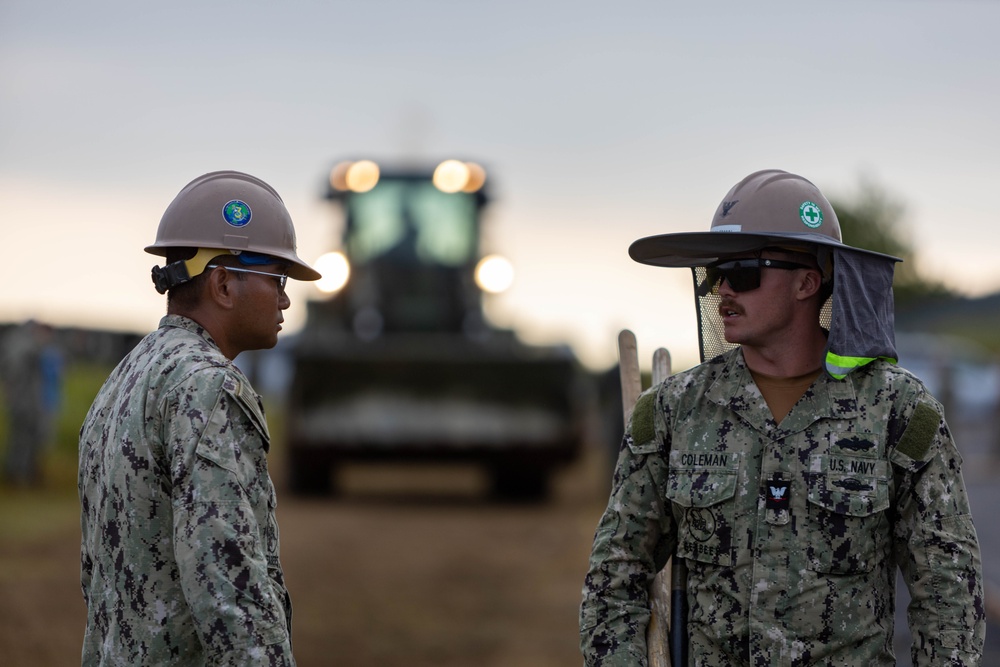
x=412 y=222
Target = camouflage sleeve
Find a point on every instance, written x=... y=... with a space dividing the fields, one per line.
x=633 y=540
x=236 y=607
x=935 y=542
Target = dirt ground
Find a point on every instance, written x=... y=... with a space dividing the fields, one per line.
x=410 y=566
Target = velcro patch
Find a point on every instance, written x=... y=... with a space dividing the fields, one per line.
x=642 y=419
x=919 y=434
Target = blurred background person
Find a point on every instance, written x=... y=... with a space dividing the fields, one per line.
x=28 y=382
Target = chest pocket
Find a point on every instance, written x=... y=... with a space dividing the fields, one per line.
x=701 y=487
x=847 y=498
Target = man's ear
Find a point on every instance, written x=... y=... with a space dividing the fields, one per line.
x=219 y=288
x=810 y=282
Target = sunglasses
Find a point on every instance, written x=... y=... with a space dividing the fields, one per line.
x=282 y=278
x=743 y=275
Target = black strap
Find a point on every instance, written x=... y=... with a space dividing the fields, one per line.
x=169 y=276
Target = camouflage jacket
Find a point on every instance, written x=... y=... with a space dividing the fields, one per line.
x=180 y=543
x=792 y=532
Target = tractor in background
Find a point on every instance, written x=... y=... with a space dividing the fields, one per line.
x=400 y=364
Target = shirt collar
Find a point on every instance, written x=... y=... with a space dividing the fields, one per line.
x=186 y=323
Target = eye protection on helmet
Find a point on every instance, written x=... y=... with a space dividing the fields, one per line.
x=280 y=278
x=743 y=275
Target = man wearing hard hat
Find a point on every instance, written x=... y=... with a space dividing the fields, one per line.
x=180 y=544
x=795 y=469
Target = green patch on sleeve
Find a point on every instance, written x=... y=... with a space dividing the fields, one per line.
x=919 y=434
x=642 y=418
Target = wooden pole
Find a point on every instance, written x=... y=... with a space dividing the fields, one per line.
x=657 y=637
x=657 y=643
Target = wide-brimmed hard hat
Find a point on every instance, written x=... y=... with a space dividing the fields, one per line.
x=234 y=211
x=776 y=209
x=766 y=209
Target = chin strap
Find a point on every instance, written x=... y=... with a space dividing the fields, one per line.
x=175 y=273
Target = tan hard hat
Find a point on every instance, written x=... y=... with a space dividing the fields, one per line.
x=767 y=208
x=230 y=210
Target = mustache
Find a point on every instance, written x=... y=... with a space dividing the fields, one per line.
x=728 y=305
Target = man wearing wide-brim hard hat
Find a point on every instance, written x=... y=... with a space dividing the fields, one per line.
x=795 y=469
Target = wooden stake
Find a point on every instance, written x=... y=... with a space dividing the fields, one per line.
x=657 y=638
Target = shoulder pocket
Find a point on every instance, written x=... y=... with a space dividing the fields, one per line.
x=244 y=396
x=229 y=442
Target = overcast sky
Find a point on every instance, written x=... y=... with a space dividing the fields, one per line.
x=598 y=123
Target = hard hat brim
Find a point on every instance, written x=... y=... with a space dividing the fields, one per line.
x=691 y=249
x=299 y=270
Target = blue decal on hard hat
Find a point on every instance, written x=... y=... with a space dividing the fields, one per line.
x=811 y=214
x=254 y=258
x=237 y=213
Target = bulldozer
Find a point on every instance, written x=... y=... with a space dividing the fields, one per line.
x=400 y=363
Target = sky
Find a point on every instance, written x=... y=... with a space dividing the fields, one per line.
x=598 y=123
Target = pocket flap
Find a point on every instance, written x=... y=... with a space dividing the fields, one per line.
x=642 y=448
x=701 y=479
x=853 y=487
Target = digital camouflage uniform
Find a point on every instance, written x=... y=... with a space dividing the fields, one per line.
x=800 y=576
x=180 y=543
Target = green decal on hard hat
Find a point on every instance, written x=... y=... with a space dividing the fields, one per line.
x=236 y=213
x=811 y=214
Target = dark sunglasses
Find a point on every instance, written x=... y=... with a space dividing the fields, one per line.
x=743 y=275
